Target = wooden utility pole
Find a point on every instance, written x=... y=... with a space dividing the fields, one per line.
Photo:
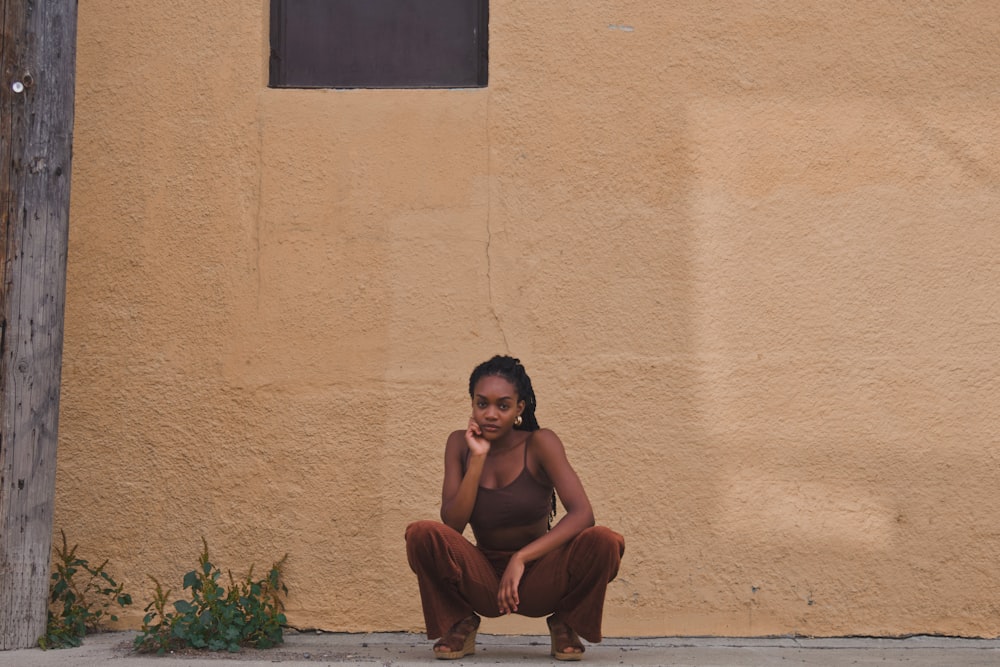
x=37 y=78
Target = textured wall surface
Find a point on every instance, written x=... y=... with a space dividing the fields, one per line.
x=749 y=253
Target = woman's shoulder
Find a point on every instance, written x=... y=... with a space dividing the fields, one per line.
x=548 y=453
x=456 y=440
x=544 y=439
x=544 y=434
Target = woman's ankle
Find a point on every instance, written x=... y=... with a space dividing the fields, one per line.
x=455 y=637
x=564 y=638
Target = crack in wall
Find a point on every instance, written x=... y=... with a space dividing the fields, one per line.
x=489 y=284
x=489 y=229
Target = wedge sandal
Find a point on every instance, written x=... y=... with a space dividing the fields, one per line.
x=468 y=645
x=567 y=639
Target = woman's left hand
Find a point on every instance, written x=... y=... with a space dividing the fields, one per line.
x=507 y=599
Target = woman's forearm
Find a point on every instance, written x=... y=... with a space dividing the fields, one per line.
x=571 y=525
x=455 y=511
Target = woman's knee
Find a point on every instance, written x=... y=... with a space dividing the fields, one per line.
x=422 y=533
x=423 y=540
x=602 y=540
x=419 y=529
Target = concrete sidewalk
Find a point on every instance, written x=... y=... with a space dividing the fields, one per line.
x=301 y=649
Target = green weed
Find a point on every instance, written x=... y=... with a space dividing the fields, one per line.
x=81 y=598
x=216 y=617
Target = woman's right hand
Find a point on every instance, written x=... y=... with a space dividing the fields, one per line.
x=478 y=445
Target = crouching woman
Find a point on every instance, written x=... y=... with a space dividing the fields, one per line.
x=501 y=475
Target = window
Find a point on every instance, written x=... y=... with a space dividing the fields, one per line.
x=378 y=43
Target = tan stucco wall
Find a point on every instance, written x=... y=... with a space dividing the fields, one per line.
x=749 y=253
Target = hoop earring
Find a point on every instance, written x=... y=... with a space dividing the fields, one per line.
x=517 y=422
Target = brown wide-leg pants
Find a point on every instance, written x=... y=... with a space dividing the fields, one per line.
x=456 y=578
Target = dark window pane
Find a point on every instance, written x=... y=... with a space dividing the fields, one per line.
x=378 y=43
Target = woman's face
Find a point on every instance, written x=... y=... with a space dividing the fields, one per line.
x=495 y=406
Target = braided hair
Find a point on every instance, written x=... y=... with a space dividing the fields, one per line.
x=510 y=369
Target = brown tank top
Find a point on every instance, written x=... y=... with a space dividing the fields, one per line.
x=522 y=502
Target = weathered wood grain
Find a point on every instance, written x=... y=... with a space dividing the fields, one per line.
x=37 y=74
